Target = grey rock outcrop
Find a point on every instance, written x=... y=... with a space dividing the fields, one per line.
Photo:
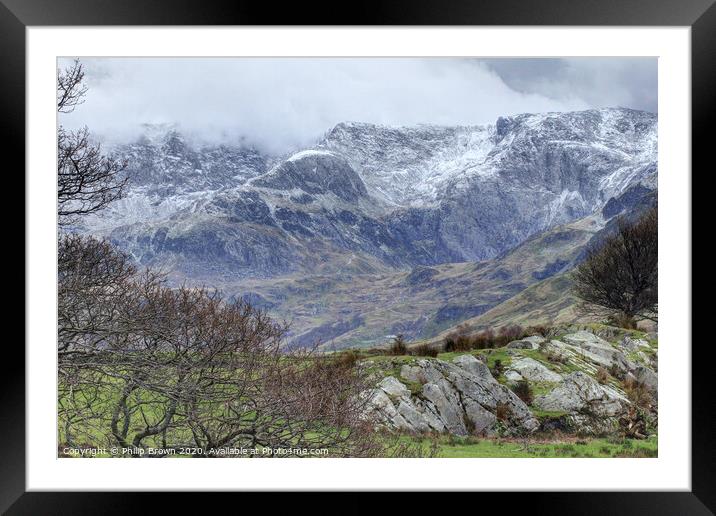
x=589 y=406
x=647 y=377
x=527 y=343
x=632 y=344
x=598 y=350
x=532 y=370
x=460 y=398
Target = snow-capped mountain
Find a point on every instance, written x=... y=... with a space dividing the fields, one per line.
x=373 y=198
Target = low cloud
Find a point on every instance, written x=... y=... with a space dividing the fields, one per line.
x=279 y=104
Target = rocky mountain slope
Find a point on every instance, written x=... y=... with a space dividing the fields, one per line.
x=392 y=217
x=578 y=379
x=344 y=310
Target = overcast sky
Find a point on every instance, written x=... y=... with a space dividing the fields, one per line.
x=279 y=104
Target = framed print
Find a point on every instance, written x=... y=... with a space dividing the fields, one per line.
x=414 y=249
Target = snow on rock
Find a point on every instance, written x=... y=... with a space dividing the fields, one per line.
x=404 y=196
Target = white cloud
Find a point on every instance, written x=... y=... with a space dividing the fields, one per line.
x=278 y=104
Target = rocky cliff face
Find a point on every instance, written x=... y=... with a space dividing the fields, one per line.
x=400 y=196
x=574 y=391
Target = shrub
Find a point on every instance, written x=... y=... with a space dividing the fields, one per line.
x=497 y=369
x=621 y=320
x=398 y=346
x=424 y=350
x=556 y=358
x=540 y=329
x=459 y=340
x=346 y=359
x=484 y=340
x=463 y=343
x=602 y=375
x=502 y=411
x=523 y=391
x=450 y=343
x=637 y=393
x=634 y=423
x=616 y=372
x=508 y=334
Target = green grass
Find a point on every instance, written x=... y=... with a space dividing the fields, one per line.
x=473 y=447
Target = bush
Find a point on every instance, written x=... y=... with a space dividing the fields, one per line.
x=512 y=332
x=457 y=342
x=540 y=329
x=449 y=343
x=487 y=339
x=502 y=411
x=621 y=320
x=484 y=340
x=602 y=375
x=497 y=369
x=398 y=346
x=633 y=424
x=638 y=393
x=523 y=391
x=463 y=343
x=424 y=350
x=616 y=372
x=346 y=359
x=556 y=358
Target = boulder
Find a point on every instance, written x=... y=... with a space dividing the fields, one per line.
x=473 y=365
x=533 y=371
x=513 y=376
x=527 y=343
x=648 y=377
x=381 y=410
x=481 y=419
x=631 y=344
x=416 y=420
x=598 y=350
x=589 y=406
x=448 y=407
x=393 y=388
x=460 y=397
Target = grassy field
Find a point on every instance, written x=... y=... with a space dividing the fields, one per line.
x=473 y=447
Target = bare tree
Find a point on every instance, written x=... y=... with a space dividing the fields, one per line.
x=143 y=365
x=180 y=369
x=621 y=275
x=87 y=179
x=70 y=87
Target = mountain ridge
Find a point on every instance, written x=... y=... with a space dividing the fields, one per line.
x=373 y=200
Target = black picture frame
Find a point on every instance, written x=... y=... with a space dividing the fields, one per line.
x=700 y=15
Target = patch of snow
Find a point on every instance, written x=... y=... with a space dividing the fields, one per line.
x=308 y=153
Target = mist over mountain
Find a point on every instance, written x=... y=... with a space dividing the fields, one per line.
x=404 y=207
